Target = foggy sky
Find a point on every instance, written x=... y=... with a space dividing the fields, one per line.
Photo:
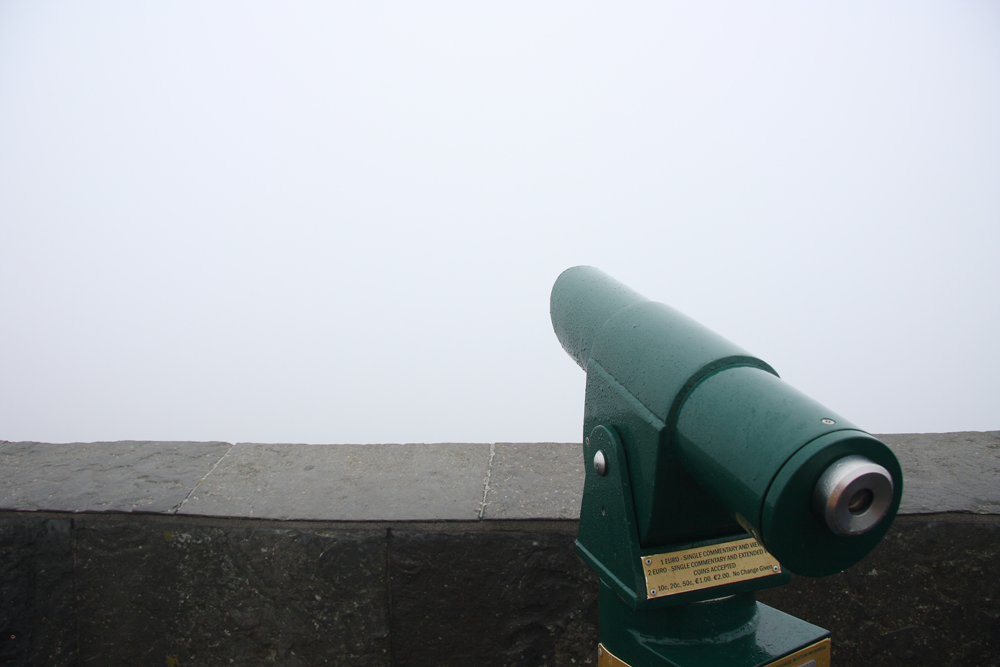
x=340 y=222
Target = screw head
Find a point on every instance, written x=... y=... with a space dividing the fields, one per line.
x=776 y=568
x=649 y=561
x=652 y=591
x=600 y=463
x=829 y=422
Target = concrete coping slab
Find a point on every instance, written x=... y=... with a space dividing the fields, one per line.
x=948 y=472
x=943 y=472
x=429 y=482
x=125 y=476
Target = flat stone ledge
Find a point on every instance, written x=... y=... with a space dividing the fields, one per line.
x=126 y=476
x=346 y=482
x=943 y=472
x=535 y=481
x=948 y=472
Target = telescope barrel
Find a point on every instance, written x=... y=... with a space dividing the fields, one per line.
x=583 y=299
x=817 y=491
x=788 y=468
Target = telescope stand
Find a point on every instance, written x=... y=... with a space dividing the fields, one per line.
x=735 y=631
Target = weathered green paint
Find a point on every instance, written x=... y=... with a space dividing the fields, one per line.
x=670 y=505
x=702 y=442
x=809 y=548
x=736 y=631
x=706 y=428
x=637 y=383
x=763 y=444
x=608 y=542
x=607 y=538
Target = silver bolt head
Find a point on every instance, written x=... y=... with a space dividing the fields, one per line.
x=652 y=591
x=600 y=463
x=828 y=422
x=649 y=561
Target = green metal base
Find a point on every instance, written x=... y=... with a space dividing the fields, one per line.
x=609 y=544
x=735 y=631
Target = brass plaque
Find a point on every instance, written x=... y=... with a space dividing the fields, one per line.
x=817 y=655
x=706 y=567
x=605 y=659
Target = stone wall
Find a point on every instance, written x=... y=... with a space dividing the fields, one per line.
x=155 y=553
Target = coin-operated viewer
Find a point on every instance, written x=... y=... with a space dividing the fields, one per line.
x=708 y=478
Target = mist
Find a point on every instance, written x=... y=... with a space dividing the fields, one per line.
x=340 y=223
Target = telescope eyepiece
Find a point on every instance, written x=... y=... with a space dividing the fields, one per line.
x=853 y=495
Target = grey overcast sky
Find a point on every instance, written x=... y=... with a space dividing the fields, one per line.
x=340 y=222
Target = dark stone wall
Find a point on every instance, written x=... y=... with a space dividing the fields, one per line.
x=929 y=594
x=37 y=613
x=188 y=594
x=160 y=553
x=146 y=590
x=490 y=599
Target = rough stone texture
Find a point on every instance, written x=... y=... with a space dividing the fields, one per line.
x=346 y=482
x=943 y=472
x=152 y=590
x=490 y=598
x=535 y=481
x=929 y=594
x=37 y=618
x=157 y=593
x=182 y=590
x=122 y=476
x=949 y=472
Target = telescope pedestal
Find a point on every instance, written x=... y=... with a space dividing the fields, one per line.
x=708 y=478
x=735 y=631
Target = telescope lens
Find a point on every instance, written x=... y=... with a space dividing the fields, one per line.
x=861 y=501
x=853 y=495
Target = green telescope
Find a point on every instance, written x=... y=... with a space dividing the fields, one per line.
x=711 y=478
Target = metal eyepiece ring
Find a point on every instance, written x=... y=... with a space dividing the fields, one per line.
x=853 y=495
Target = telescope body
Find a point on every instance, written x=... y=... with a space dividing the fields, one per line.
x=713 y=443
